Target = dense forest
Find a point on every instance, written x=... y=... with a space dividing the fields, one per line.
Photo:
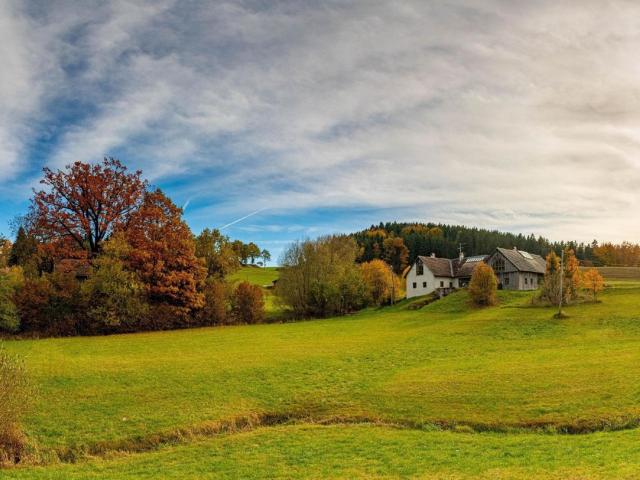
x=381 y=241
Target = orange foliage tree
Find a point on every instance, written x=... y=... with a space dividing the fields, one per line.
x=483 y=285
x=593 y=282
x=163 y=255
x=396 y=253
x=83 y=204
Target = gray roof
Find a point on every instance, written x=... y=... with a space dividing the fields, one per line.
x=535 y=264
x=444 y=267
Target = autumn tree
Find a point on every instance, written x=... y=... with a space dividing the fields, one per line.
x=593 y=282
x=82 y=205
x=163 y=255
x=215 y=310
x=217 y=251
x=483 y=285
x=381 y=281
x=11 y=280
x=396 y=253
x=567 y=275
x=572 y=280
x=247 y=303
x=5 y=251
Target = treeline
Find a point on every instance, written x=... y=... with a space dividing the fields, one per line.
x=445 y=241
x=99 y=251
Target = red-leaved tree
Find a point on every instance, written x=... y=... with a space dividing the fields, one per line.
x=163 y=255
x=83 y=204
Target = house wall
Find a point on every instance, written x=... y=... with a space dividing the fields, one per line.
x=432 y=282
x=419 y=280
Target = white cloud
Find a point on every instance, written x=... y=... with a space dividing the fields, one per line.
x=505 y=114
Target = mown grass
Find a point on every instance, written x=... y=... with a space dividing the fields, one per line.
x=500 y=369
x=365 y=451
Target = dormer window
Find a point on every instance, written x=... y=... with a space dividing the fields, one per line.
x=498 y=264
x=419 y=269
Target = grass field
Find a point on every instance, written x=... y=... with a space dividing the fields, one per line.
x=256 y=275
x=441 y=392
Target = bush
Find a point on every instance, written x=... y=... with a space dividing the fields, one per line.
x=216 y=303
x=13 y=403
x=593 y=282
x=51 y=304
x=247 y=303
x=483 y=286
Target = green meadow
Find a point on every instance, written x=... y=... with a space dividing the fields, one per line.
x=446 y=391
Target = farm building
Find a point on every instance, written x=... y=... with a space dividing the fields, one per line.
x=429 y=274
x=515 y=270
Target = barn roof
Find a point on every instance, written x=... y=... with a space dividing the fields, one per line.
x=524 y=261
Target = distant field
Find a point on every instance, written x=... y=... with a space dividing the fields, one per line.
x=476 y=391
x=257 y=275
x=620 y=273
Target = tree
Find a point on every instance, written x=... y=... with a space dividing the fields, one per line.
x=215 y=310
x=266 y=256
x=552 y=276
x=24 y=250
x=396 y=253
x=247 y=303
x=252 y=252
x=483 y=285
x=382 y=283
x=163 y=255
x=11 y=280
x=84 y=204
x=14 y=400
x=572 y=280
x=593 y=282
x=218 y=253
x=114 y=297
x=5 y=251
x=320 y=278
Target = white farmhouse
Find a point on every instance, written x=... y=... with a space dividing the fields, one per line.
x=515 y=270
x=429 y=274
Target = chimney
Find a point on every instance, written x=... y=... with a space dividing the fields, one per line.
x=433 y=255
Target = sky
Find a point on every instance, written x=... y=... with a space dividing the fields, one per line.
x=317 y=117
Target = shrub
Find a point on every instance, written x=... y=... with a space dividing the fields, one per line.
x=51 y=304
x=216 y=303
x=483 y=285
x=382 y=283
x=13 y=403
x=247 y=303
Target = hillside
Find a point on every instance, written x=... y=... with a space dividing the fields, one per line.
x=443 y=374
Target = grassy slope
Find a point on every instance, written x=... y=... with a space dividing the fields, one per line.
x=499 y=367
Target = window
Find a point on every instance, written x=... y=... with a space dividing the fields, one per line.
x=506 y=279
x=526 y=281
x=415 y=285
x=424 y=284
x=441 y=284
x=419 y=269
x=498 y=264
x=450 y=284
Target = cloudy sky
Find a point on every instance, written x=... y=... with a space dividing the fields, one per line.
x=330 y=116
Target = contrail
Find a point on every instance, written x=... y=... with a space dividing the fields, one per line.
x=243 y=218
